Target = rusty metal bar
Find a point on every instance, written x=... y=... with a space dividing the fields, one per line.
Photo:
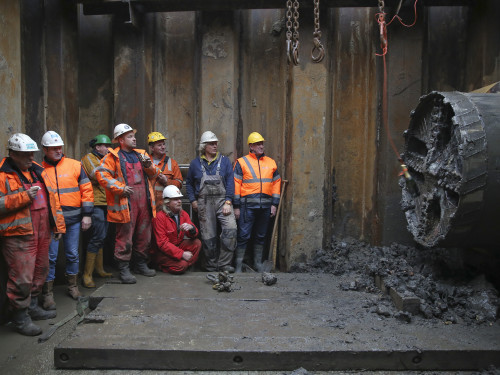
x=93 y=7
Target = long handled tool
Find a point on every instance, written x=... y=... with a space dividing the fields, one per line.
x=270 y=263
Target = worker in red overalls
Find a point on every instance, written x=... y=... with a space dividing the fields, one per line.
x=29 y=207
x=128 y=174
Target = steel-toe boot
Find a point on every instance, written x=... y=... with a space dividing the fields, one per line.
x=99 y=265
x=239 y=255
x=73 y=291
x=89 y=269
x=142 y=268
x=23 y=324
x=47 y=300
x=125 y=276
x=257 y=257
x=37 y=313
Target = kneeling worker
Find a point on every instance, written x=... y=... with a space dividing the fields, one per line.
x=175 y=246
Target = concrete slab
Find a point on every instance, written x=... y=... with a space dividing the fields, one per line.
x=305 y=320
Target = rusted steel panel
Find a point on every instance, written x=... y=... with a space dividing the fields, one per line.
x=10 y=71
x=95 y=82
x=404 y=72
x=354 y=121
x=133 y=94
x=175 y=64
x=219 y=78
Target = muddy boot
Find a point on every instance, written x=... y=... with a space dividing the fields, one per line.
x=229 y=269
x=142 y=268
x=23 y=324
x=257 y=257
x=73 y=291
x=47 y=300
x=89 y=268
x=37 y=313
x=99 y=265
x=125 y=276
x=239 y=255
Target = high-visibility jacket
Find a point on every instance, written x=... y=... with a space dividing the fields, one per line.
x=112 y=175
x=15 y=213
x=256 y=182
x=90 y=163
x=76 y=196
x=169 y=168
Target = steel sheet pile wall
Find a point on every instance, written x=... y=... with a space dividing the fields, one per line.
x=182 y=73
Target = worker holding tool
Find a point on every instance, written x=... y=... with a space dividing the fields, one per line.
x=99 y=229
x=256 y=198
x=170 y=172
x=210 y=189
x=76 y=197
x=127 y=174
x=29 y=210
x=175 y=246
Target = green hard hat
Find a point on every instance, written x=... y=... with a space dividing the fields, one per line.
x=100 y=139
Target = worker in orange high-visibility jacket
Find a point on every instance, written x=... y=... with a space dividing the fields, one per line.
x=127 y=174
x=29 y=210
x=76 y=197
x=256 y=198
x=170 y=172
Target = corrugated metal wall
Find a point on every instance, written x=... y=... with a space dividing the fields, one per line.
x=182 y=73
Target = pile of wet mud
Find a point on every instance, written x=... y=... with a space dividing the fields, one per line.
x=446 y=289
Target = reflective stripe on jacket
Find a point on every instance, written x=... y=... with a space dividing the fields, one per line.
x=90 y=163
x=110 y=175
x=15 y=214
x=256 y=182
x=76 y=196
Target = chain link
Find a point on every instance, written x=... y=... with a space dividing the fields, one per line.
x=289 y=30
x=295 y=35
x=318 y=51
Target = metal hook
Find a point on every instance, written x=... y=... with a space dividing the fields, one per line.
x=317 y=47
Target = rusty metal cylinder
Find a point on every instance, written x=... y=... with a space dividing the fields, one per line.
x=452 y=151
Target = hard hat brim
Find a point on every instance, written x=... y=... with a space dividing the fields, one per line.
x=115 y=140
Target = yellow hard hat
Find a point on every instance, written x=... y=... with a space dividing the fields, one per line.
x=255 y=137
x=155 y=137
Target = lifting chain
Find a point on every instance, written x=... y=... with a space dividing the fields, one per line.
x=318 y=51
x=292 y=37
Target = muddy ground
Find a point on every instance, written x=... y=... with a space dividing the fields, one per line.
x=449 y=290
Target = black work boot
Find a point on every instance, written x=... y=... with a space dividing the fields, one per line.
x=125 y=276
x=37 y=313
x=23 y=324
x=142 y=268
x=257 y=257
x=239 y=255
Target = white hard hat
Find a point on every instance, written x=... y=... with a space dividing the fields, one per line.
x=122 y=129
x=22 y=142
x=172 y=191
x=208 y=136
x=52 y=139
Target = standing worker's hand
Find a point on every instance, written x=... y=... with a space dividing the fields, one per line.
x=237 y=213
x=57 y=236
x=194 y=204
x=187 y=255
x=226 y=209
x=32 y=191
x=273 y=211
x=162 y=179
x=145 y=161
x=86 y=223
x=127 y=191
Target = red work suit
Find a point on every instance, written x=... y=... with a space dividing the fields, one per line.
x=169 y=243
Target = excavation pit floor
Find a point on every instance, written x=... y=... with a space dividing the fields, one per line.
x=304 y=320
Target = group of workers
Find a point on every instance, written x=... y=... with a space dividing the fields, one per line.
x=138 y=191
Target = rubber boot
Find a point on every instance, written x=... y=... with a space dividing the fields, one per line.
x=125 y=276
x=257 y=257
x=73 y=291
x=239 y=255
x=89 y=269
x=23 y=324
x=37 y=313
x=99 y=265
x=142 y=268
x=47 y=300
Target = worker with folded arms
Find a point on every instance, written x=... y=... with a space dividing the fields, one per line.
x=170 y=172
x=175 y=246
x=256 y=198
x=210 y=189
x=29 y=211
x=127 y=174
x=77 y=202
x=99 y=229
